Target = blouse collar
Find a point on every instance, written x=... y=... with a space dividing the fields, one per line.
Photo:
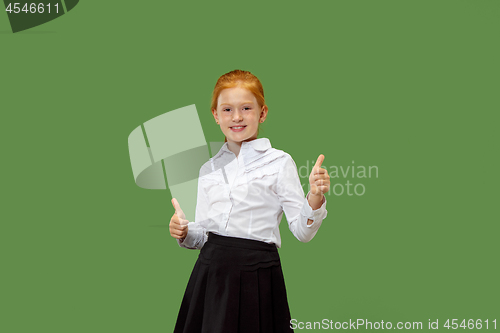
x=261 y=144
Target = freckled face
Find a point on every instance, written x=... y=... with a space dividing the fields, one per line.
x=239 y=114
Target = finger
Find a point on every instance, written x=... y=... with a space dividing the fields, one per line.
x=323 y=188
x=323 y=183
x=177 y=232
x=180 y=224
x=317 y=176
x=176 y=205
x=320 y=182
x=319 y=161
x=320 y=188
x=323 y=177
x=320 y=171
x=176 y=236
x=174 y=225
x=175 y=220
x=178 y=209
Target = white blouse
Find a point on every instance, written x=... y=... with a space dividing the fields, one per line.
x=245 y=197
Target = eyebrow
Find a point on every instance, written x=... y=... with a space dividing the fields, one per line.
x=248 y=102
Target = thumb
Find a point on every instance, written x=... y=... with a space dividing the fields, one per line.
x=178 y=209
x=319 y=161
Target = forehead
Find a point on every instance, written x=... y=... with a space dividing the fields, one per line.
x=236 y=95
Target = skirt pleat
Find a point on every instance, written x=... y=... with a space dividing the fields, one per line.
x=237 y=285
x=249 y=299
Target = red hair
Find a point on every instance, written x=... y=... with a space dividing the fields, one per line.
x=236 y=78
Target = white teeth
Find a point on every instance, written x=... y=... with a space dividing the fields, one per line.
x=238 y=127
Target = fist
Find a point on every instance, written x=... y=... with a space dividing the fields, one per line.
x=178 y=223
x=319 y=180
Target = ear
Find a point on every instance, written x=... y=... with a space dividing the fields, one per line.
x=214 y=113
x=263 y=114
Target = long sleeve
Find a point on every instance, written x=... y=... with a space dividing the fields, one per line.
x=197 y=230
x=295 y=205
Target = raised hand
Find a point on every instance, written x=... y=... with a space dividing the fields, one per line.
x=319 y=180
x=178 y=223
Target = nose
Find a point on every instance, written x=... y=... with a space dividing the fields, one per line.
x=237 y=116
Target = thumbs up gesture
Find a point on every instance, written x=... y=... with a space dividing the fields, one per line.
x=178 y=223
x=319 y=180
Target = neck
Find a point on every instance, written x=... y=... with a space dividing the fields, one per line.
x=234 y=147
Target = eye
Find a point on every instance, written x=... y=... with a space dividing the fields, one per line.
x=226 y=109
x=247 y=108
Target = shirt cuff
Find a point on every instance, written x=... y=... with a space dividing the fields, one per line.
x=316 y=215
x=190 y=240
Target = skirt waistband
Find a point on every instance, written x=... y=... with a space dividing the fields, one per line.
x=241 y=243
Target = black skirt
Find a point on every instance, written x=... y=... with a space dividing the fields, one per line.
x=236 y=285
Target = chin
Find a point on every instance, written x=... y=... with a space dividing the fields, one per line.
x=238 y=140
x=239 y=137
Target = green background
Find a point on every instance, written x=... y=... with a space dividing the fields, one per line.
x=408 y=86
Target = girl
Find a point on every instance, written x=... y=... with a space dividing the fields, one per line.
x=237 y=283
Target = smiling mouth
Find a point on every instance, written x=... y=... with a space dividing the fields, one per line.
x=238 y=127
